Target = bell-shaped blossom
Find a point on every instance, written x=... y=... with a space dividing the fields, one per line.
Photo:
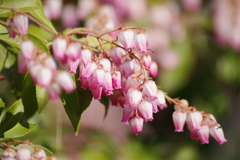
x=126 y=39
x=194 y=120
x=73 y=51
x=127 y=114
x=217 y=134
x=146 y=111
x=106 y=64
x=203 y=134
x=140 y=41
x=53 y=8
x=194 y=134
x=134 y=96
x=23 y=154
x=147 y=61
x=182 y=103
x=98 y=77
x=128 y=67
x=116 y=80
x=44 y=76
x=116 y=54
x=114 y=97
x=86 y=56
x=179 y=119
x=69 y=17
x=153 y=71
x=22 y=64
x=150 y=90
x=161 y=101
x=39 y=154
x=7 y=155
x=154 y=105
x=85 y=83
x=53 y=91
x=87 y=71
x=59 y=46
x=136 y=124
x=34 y=70
x=50 y=63
x=21 y=23
x=97 y=92
x=27 y=49
x=108 y=83
x=65 y=81
x=11 y=32
x=131 y=82
x=72 y=65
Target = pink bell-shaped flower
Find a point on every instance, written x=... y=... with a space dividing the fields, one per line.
x=87 y=71
x=23 y=154
x=140 y=41
x=116 y=80
x=137 y=125
x=72 y=65
x=161 y=101
x=59 y=46
x=194 y=120
x=108 y=84
x=126 y=38
x=86 y=56
x=73 y=51
x=134 y=96
x=217 y=134
x=179 y=119
x=203 y=134
x=128 y=67
x=146 y=111
x=106 y=64
x=153 y=71
x=27 y=49
x=116 y=54
x=150 y=90
x=21 y=23
x=147 y=61
x=65 y=81
x=39 y=154
x=127 y=113
x=7 y=155
x=44 y=76
x=11 y=32
x=98 y=77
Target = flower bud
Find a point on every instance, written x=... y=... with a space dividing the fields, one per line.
x=116 y=80
x=203 y=134
x=21 y=23
x=126 y=38
x=65 y=81
x=7 y=155
x=218 y=134
x=27 y=49
x=59 y=46
x=23 y=154
x=134 y=96
x=140 y=41
x=179 y=119
x=146 y=111
x=137 y=125
x=108 y=84
x=39 y=154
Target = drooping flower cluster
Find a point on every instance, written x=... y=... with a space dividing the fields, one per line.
x=199 y=124
x=24 y=153
x=42 y=68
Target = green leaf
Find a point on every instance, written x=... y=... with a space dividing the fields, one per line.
x=105 y=101
x=12 y=116
x=23 y=6
x=48 y=153
x=75 y=103
x=19 y=130
x=34 y=97
x=39 y=14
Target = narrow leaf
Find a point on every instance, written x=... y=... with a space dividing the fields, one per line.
x=75 y=103
x=42 y=98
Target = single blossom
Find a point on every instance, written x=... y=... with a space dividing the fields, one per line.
x=137 y=125
x=23 y=154
x=203 y=134
x=126 y=39
x=217 y=134
x=134 y=97
x=194 y=120
x=179 y=119
x=140 y=41
x=146 y=111
x=21 y=23
x=65 y=81
x=27 y=49
x=150 y=90
x=59 y=46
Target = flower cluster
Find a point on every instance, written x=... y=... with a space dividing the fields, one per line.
x=42 y=68
x=24 y=153
x=199 y=124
